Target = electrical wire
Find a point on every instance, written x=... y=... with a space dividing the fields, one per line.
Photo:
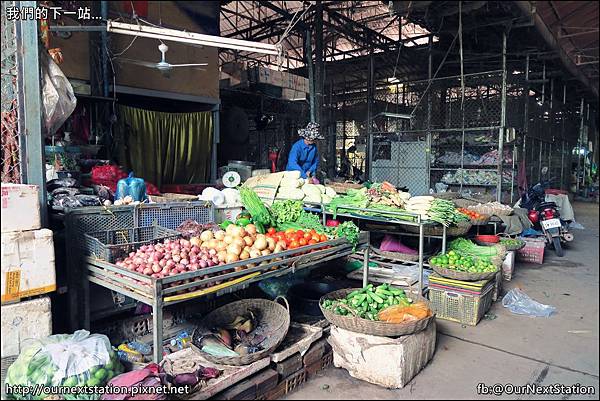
x=284 y=35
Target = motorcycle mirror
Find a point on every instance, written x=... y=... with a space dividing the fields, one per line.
x=544 y=170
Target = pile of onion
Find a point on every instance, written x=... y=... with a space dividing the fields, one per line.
x=211 y=248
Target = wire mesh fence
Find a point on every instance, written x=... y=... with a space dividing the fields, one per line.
x=11 y=155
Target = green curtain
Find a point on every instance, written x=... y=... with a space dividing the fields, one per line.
x=166 y=148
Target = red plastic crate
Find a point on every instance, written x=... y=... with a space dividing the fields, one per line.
x=533 y=252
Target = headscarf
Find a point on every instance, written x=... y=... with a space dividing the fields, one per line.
x=311 y=132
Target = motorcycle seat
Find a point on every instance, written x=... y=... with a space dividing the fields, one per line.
x=544 y=205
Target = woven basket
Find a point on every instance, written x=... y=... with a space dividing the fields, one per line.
x=370 y=327
x=462 y=276
x=437 y=230
x=481 y=222
x=464 y=203
x=274 y=317
x=405 y=257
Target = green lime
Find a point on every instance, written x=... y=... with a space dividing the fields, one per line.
x=92 y=382
x=70 y=381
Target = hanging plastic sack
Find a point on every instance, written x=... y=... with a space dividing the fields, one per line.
x=518 y=302
x=58 y=98
x=131 y=186
x=77 y=360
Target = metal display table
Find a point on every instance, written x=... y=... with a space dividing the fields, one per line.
x=408 y=219
x=160 y=293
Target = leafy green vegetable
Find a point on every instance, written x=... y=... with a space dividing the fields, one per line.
x=286 y=211
x=444 y=212
x=467 y=247
x=310 y=221
x=348 y=230
x=259 y=212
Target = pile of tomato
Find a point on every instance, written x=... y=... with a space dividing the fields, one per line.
x=471 y=214
x=296 y=238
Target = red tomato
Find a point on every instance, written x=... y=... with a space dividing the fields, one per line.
x=312 y=242
x=307 y=236
x=313 y=232
x=293 y=245
x=300 y=232
x=315 y=237
x=302 y=242
x=323 y=237
x=289 y=231
x=271 y=230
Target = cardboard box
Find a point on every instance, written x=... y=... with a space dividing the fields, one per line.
x=23 y=321
x=20 y=207
x=27 y=264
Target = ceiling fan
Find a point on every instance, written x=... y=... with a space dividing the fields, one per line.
x=163 y=66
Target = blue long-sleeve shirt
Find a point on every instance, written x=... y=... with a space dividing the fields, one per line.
x=303 y=158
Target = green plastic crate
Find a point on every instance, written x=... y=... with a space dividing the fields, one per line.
x=461 y=307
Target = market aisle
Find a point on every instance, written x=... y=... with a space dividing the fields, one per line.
x=509 y=348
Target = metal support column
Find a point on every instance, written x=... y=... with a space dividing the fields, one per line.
x=157 y=323
x=502 y=122
x=366 y=265
x=319 y=65
x=215 y=142
x=421 y=245
x=579 y=146
x=311 y=73
x=30 y=107
x=370 y=95
x=104 y=50
x=428 y=146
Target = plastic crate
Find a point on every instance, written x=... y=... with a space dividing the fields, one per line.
x=458 y=306
x=227 y=213
x=533 y=252
x=113 y=244
x=171 y=215
x=6 y=362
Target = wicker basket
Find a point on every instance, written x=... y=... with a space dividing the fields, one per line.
x=370 y=327
x=464 y=203
x=462 y=276
x=405 y=257
x=271 y=315
x=482 y=221
x=437 y=230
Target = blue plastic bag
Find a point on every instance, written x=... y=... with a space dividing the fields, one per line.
x=132 y=186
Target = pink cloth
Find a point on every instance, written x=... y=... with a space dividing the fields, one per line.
x=522 y=177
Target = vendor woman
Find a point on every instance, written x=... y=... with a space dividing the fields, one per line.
x=304 y=156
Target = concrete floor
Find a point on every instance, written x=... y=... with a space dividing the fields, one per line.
x=509 y=349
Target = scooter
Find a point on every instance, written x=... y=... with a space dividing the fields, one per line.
x=545 y=216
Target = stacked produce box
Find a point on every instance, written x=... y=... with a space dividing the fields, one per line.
x=27 y=270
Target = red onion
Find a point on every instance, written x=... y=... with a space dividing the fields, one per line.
x=143 y=248
x=173 y=273
x=156 y=258
x=168 y=256
x=197 y=250
x=193 y=259
x=212 y=252
x=203 y=264
x=183 y=255
x=156 y=268
x=221 y=263
x=131 y=254
x=176 y=258
x=204 y=257
x=170 y=263
x=162 y=263
x=185 y=262
x=210 y=263
x=215 y=260
x=193 y=266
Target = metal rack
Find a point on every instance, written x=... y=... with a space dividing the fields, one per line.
x=415 y=221
x=154 y=292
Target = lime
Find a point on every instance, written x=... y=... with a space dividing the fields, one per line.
x=100 y=374
x=92 y=382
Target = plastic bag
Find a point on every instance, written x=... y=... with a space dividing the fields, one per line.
x=131 y=186
x=107 y=176
x=80 y=359
x=518 y=302
x=58 y=98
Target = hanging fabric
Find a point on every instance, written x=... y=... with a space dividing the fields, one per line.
x=166 y=148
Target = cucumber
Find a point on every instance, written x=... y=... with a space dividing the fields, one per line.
x=376 y=298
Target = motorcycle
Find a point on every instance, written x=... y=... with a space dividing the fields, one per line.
x=545 y=216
